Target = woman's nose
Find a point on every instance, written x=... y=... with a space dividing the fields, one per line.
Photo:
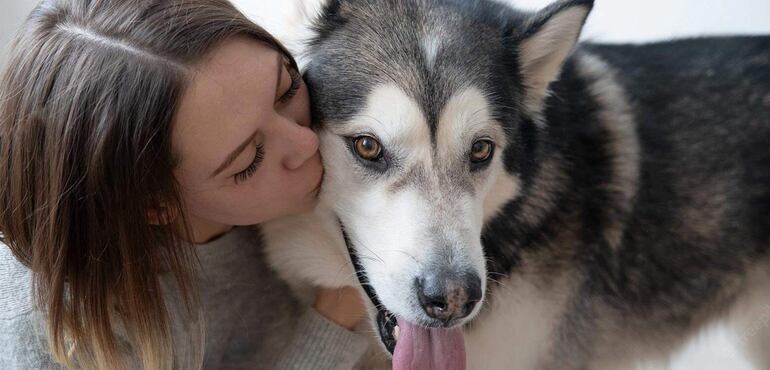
x=302 y=145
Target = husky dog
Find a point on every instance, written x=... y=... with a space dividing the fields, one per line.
x=516 y=202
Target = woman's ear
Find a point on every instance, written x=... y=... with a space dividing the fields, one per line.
x=162 y=215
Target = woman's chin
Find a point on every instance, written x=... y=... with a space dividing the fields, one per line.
x=312 y=202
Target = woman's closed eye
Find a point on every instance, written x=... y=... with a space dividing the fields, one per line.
x=296 y=83
x=249 y=171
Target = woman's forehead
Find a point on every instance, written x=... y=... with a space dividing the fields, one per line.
x=232 y=89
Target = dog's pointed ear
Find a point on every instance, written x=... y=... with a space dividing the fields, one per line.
x=546 y=41
x=333 y=7
x=330 y=17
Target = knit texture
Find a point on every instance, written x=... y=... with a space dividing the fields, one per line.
x=251 y=319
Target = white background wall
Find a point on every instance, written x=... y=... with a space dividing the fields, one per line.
x=611 y=21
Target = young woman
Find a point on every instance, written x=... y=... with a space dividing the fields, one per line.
x=135 y=135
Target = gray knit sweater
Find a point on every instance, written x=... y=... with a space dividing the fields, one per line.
x=252 y=321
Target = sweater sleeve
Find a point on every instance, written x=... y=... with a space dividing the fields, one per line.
x=320 y=344
x=23 y=343
x=23 y=346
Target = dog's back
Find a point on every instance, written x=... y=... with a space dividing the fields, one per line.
x=662 y=207
x=702 y=112
x=697 y=243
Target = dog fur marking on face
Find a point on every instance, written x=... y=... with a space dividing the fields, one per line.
x=411 y=195
x=467 y=117
x=430 y=45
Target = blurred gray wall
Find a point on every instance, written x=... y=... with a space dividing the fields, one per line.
x=12 y=14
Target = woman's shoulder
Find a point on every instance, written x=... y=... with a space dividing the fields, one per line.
x=15 y=287
x=22 y=333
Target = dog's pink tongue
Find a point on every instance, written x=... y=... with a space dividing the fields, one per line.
x=419 y=348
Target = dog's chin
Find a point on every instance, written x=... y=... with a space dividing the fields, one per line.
x=387 y=324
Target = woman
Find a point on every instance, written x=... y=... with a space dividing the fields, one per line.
x=134 y=137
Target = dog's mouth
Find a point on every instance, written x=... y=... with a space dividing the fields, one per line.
x=387 y=326
x=417 y=347
x=387 y=323
x=412 y=346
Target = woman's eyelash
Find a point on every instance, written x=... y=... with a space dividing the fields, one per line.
x=252 y=168
x=296 y=81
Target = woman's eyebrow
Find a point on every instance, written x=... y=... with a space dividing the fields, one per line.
x=232 y=156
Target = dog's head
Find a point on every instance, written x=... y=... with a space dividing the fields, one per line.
x=428 y=111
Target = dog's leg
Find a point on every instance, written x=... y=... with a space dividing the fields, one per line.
x=309 y=249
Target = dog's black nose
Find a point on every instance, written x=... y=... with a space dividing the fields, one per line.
x=448 y=295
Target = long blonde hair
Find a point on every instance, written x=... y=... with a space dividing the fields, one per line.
x=86 y=105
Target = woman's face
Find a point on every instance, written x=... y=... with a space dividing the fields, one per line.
x=241 y=133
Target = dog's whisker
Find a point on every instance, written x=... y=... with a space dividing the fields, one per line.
x=408 y=255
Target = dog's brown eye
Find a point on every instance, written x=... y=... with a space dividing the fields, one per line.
x=368 y=148
x=482 y=150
